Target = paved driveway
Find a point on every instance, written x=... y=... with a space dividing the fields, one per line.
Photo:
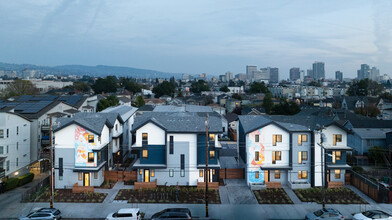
x=239 y=193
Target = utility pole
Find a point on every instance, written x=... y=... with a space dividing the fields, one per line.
x=322 y=167
x=207 y=176
x=51 y=163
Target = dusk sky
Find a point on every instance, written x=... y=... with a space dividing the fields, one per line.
x=199 y=36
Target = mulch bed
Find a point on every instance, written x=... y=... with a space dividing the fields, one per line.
x=332 y=196
x=272 y=196
x=66 y=195
x=163 y=194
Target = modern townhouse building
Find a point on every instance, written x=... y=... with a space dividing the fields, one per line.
x=172 y=147
x=14 y=144
x=83 y=148
x=292 y=147
x=127 y=114
x=274 y=151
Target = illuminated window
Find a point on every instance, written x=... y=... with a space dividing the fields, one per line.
x=99 y=156
x=277 y=174
x=302 y=138
x=257 y=138
x=144 y=139
x=256 y=156
x=212 y=154
x=91 y=138
x=212 y=137
x=337 y=174
x=152 y=173
x=302 y=174
x=276 y=138
x=90 y=157
x=338 y=155
x=213 y=171
x=201 y=173
x=145 y=153
x=141 y=172
x=276 y=155
x=302 y=155
x=80 y=176
x=257 y=174
x=337 y=138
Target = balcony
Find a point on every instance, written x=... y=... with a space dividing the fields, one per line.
x=2 y=173
x=45 y=140
x=45 y=127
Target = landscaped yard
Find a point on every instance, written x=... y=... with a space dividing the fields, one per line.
x=332 y=196
x=66 y=195
x=167 y=195
x=272 y=196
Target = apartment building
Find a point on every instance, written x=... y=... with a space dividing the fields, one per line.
x=171 y=147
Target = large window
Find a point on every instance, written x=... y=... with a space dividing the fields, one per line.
x=276 y=155
x=212 y=137
x=336 y=155
x=337 y=174
x=276 y=138
x=257 y=156
x=337 y=138
x=257 y=138
x=91 y=138
x=277 y=174
x=302 y=156
x=91 y=157
x=212 y=154
x=145 y=153
x=302 y=174
x=302 y=138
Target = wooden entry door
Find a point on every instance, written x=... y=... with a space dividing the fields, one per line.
x=86 y=179
x=146 y=175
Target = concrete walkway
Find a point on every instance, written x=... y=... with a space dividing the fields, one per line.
x=224 y=195
x=292 y=195
x=361 y=194
x=113 y=191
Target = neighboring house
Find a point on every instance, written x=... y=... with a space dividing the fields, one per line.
x=236 y=89
x=172 y=147
x=125 y=101
x=14 y=145
x=362 y=139
x=385 y=108
x=275 y=151
x=127 y=114
x=82 y=150
x=231 y=104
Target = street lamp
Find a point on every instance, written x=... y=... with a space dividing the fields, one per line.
x=206 y=171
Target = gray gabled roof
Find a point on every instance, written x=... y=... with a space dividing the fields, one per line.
x=123 y=110
x=181 y=122
x=184 y=108
x=252 y=122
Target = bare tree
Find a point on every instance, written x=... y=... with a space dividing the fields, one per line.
x=21 y=87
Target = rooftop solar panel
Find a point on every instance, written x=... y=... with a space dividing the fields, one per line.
x=25 y=98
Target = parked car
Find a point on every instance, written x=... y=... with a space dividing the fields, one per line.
x=173 y=213
x=125 y=214
x=372 y=214
x=43 y=213
x=324 y=214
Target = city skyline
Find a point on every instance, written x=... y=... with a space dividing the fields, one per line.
x=198 y=37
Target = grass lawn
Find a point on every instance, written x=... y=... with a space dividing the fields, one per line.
x=332 y=196
x=272 y=196
x=66 y=195
x=186 y=194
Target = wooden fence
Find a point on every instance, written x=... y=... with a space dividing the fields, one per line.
x=145 y=185
x=211 y=185
x=232 y=173
x=81 y=189
x=365 y=185
x=119 y=176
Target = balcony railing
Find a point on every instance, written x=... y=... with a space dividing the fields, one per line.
x=2 y=173
x=45 y=127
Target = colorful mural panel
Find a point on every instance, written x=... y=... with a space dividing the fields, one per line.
x=83 y=147
x=255 y=163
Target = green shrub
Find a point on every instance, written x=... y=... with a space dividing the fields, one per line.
x=11 y=183
x=25 y=179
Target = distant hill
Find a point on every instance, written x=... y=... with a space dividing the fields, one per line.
x=99 y=70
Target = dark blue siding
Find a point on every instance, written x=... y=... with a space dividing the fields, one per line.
x=201 y=150
x=342 y=161
x=241 y=139
x=156 y=154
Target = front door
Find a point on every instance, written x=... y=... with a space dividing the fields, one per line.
x=86 y=181
x=146 y=175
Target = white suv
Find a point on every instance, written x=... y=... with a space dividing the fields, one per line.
x=125 y=214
